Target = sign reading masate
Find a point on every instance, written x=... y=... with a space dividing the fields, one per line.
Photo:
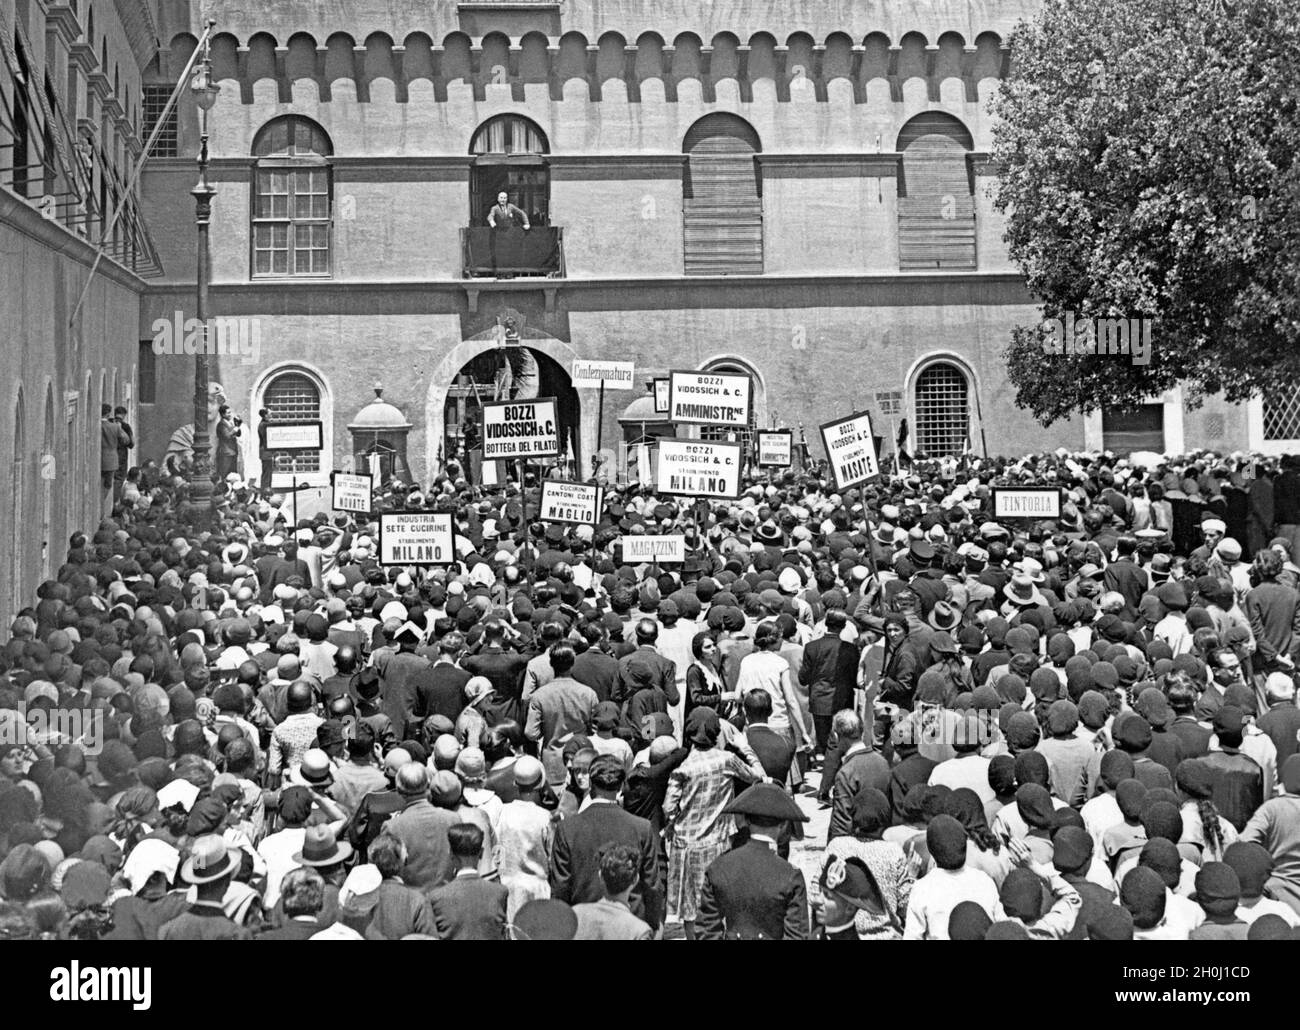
x=699 y=468
x=521 y=429
x=1026 y=503
x=352 y=491
x=416 y=538
x=570 y=502
x=638 y=549
x=709 y=398
x=775 y=448
x=851 y=450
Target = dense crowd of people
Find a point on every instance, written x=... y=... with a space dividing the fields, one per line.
x=228 y=725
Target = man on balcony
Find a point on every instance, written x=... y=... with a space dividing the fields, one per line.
x=502 y=219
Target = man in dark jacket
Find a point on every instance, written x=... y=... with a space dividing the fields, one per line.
x=440 y=688
x=505 y=669
x=1126 y=577
x=469 y=908
x=580 y=839
x=751 y=893
x=595 y=666
x=1238 y=779
x=829 y=670
x=646 y=666
x=862 y=767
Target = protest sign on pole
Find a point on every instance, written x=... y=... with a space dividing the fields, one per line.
x=1022 y=502
x=521 y=429
x=416 y=538
x=851 y=450
x=661 y=396
x=699 y=468
x=775 y=448
x=657 y=549
x=575 y=503
x=352 y=491
x=710 y=398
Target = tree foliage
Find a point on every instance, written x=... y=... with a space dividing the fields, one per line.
x=1147 y=153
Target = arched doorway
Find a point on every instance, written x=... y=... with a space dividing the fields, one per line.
x=509 y=373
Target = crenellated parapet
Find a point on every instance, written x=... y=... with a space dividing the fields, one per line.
x=641 y=66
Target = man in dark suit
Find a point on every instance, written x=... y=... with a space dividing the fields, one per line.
x=595 y=666
x=775 y=753
x=580 y=839
x=302 y=893
x=751 y=893
x=646 y=665
x=469 y=908
x=863 y=767
x=506 y=671
x=830 y=671
x=1125 y=576
x=440 y=689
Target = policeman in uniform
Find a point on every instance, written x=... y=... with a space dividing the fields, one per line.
x=751 y=893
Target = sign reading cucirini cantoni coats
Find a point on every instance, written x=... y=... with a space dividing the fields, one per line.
x=699 y=468
x=521 y=429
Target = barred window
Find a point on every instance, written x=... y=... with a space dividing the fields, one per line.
x=942 y=410
x=155 y=101
x=293 y=397
x=1282 y=416
x=292 y=199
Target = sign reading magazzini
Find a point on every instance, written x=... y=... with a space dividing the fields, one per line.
x=709 y=398
x=575 y=503
x=699 y=468
x=638 y=549
x=294 y=436
x=851 y=450
x=352 y=491
x=1022 y=502
x=521 y=429
x=416 y=538
x=775 y=448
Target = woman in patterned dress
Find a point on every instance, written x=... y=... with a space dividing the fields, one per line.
x=885 y=859
x=698 y=830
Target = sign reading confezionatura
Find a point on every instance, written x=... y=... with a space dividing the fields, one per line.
x=709 y=398
x=521 y=429
x=416 y=538
x=1026 y=503
x=638 y=549
x=851 y=450
x=614 y=375
x=575 y=503
x=699 y=468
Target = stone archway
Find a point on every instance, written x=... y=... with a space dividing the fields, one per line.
x=462 y=354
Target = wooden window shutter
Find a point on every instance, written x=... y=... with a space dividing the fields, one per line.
x=936 y=208
x=722 y=199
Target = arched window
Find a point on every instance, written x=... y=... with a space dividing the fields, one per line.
x=294 y=397
x=936 y=202
x=510 y=156
x=941 y=408
x=722 y=198
x=745 y=436
x=292 y=199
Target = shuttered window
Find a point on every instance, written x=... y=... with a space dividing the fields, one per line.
x=936 y=206
x=722 y=199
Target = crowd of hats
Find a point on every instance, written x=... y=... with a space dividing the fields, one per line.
x=135 y=622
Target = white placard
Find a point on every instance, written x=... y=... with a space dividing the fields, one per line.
x=521 y=429
x=640 y=549
x=1026 y=503
x=851 y=449
x=616 y=375
x=293 y=436
x=775 y=448
x=416 y=538
x=661 y=396
x=699 y=468
x=352 y=491
x=709 y=398
x=575 y=503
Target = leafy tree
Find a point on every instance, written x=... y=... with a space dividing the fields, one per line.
x=1147 y=160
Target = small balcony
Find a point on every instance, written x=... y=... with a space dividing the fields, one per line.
x=515 y=253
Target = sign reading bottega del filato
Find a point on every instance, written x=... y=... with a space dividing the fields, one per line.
x=521 y=429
